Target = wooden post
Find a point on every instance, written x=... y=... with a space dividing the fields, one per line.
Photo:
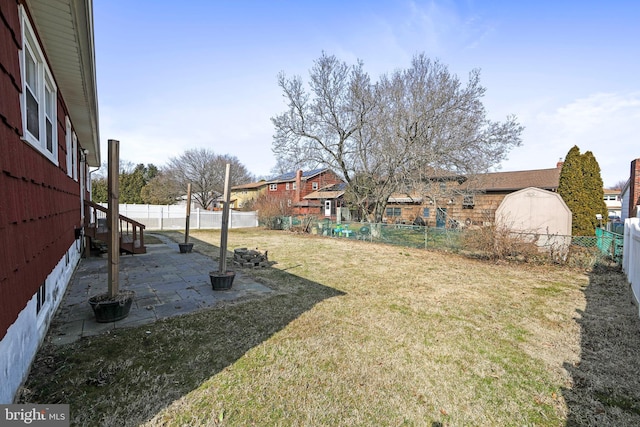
x=225 y=223
x=186 y=225
x=113 y=224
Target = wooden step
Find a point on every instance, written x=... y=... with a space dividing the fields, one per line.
x=131 y=231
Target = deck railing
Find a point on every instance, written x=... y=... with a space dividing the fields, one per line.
x=131 y=231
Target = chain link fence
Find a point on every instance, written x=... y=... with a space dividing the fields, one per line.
x=486 y=242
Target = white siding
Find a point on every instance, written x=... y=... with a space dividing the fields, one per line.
x=20 y=345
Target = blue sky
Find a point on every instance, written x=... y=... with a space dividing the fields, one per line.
x=174 y=76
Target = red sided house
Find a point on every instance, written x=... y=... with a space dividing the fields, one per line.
x=48 y=140
x=630 y=194
x=295 y=186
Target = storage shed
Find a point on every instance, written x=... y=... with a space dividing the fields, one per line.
x=539 y=212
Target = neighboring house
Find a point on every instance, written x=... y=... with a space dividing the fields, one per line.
x=329 y=202
x=217 y=204
x=614 y=205
x=48 y=139
x=246 y=193
x=295 y=186
x=630 y=194
x=451 y=201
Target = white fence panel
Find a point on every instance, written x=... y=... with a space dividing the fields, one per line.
x=172 y=217
x=631 y=255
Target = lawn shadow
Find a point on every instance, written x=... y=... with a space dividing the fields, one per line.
x=127 y=376
x=606 y=387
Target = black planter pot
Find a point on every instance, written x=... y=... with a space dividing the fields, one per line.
x=107 y=310
x=221 y=281
x=185 y=248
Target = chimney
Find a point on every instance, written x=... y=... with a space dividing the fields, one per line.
x=634 y=188
x=560 y=163
x=298 y=183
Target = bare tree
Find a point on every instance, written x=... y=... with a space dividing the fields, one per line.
x=618 y=185
x=205 y=170
x=381 y=136
x=271 y=209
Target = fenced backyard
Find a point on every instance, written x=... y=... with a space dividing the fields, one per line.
x=172 y=217
x=359 y=333
x=489 y=242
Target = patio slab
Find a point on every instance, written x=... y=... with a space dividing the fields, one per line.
x=166 y=283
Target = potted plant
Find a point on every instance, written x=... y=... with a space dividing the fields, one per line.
x=222 y=279
x=111 y=308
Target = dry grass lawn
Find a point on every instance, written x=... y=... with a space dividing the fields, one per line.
x=366 y=334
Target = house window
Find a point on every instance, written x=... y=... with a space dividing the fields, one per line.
x=41 y=297
x=468 y=202
x=294 y=185
x=289 y=202
x=426 y=212
x=38 y=100
x=314 y=185
x=394 y=212
x=286 y=186
x=273 y=187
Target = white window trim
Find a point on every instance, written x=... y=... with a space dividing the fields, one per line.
x=314 y=185
x=273 y=187
x=286 y=187
x=74 y=156
x=42 y=300
x=69 y=145
x=45 y=82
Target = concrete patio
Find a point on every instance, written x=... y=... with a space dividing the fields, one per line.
x=166 y=283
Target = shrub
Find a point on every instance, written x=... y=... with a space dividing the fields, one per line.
x=500 y=243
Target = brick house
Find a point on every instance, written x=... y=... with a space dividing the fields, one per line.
x=48 y=140
x=630 y=194
x=295 y=186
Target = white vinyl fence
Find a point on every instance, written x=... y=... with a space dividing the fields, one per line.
x=172 y=217
x=631 y=255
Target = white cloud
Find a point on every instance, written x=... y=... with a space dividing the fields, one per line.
x=606 y=124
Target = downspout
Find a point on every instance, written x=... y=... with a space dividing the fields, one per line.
x=83 y=182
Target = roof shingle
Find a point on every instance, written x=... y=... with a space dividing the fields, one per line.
x=547 y=179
